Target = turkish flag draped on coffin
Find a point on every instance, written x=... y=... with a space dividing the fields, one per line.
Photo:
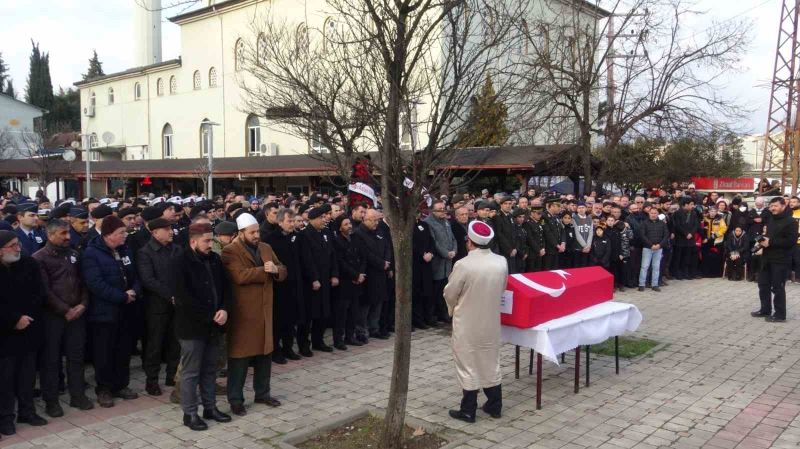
x=531 y=299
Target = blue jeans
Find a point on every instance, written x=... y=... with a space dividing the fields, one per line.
x=650 y=257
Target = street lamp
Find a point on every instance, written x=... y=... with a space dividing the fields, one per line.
x=86 y=158
x=210 y=181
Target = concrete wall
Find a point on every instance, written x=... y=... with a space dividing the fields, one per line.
x=16 y=121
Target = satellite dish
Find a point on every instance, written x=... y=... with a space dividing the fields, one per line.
x=68 y=155
x=108 y=138
x=75 y=144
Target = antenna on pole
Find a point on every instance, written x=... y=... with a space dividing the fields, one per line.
x=783 y=129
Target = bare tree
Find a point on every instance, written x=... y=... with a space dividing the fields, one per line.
x=657 y=79
x=201 y=170
x=6 y=144
x=391 y=76
x=33 y=149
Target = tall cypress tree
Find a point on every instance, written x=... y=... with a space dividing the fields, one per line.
x=39 y=91
x=486 y=123
x=10 y=89
x=3 y=73
x=95 y=67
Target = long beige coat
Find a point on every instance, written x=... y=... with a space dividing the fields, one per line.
x=250 y=315
x=473 y=295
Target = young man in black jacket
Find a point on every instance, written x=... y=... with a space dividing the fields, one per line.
x=200 y=299
x=777 y=243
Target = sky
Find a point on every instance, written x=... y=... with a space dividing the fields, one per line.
x=70 y=29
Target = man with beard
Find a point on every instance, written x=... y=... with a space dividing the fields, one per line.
x=759 y=217
x=794 y=206
x=347 y=295
x=320 y=273
x=291 y=307
x=777 y=243
x=252 y=268
x=374 y=247
x=22 y=299
x=63 y=320
x=201 y=296
x=155 y=263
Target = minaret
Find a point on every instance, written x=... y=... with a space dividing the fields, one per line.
x=147 y=32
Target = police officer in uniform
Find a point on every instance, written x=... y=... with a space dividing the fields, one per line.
x=535 y=240
x=520 y=239
x=553 y=234
x=30 y=236
x=504 y=233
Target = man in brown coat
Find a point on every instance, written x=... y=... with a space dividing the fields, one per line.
x=252 y=268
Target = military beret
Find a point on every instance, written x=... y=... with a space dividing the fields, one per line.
x=325 y=208
x=538 y=209
x=124 y=212
x=226 y=228
x=158 y=223
x=78 y=212
x=59 y=212
x=553 y=200
x=101 y=211
x=302 y=208
x=520 y=212
x=483 y=205
x=196 y=210
x=10 y=209
x=506 y=198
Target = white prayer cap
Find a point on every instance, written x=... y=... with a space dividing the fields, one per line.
x=105 y=200
x=155 y=201
x=480 y=233
x=245 y=220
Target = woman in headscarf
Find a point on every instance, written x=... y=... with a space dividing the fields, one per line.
x=737 y=246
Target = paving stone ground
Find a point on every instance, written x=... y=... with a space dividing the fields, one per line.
x=724 y=380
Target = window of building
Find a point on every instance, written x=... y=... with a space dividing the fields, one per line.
x=173 y=85
x=110 y=95
x=166 y=141
x=212 y=77
x=206 y=138
x=137 y=91
x=92 y=99
x=330 y=33
x=160 y=87
x=302 y=38
x=261 y=49
x=253 y=136
x=408 y=128
x=239 y=55
x=316 y=137
x=196 y=80
x=93 y=143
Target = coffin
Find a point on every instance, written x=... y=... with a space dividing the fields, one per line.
x=531 y=299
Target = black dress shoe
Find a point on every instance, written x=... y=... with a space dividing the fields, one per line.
x=81 y=403
x=362 y=338
x=774 y=319
x=126 y=393
x=656 y=289
x=291 y=355
x=34 y=420
x=53 y=409
x=458 y=414
x=238 y=409
x=495 y=415
x=194 y=422
x=353 y=342
x=306 y=352
x=216 y=415
x=322 y=347
x=8 y=429
x=277 y=357
x=153 y=389
x=340 y=346
x=758 y=314
x=269 y=400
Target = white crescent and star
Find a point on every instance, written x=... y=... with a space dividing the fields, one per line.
x=553 y=292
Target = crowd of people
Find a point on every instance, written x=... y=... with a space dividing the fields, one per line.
x=210 y=288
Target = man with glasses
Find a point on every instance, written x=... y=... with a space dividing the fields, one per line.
x=22 y=300
x=445 y=248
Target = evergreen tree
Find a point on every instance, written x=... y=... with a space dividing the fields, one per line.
x=66 y=112
x=486 y=123
x=3 y=73
x=39 y=91
x=95 y=67
x=10 y=89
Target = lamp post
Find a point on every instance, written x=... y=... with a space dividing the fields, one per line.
x=210 y=181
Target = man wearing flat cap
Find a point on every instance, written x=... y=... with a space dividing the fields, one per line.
x=473 y=295
x=252 y=268
x=155 y=263
x=320 y=274
x=22 y=300
x=30 y=236
x=98 y=214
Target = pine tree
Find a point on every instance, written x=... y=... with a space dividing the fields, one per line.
x=95 y=67
x=39 y=91
x=10 y=89
x=3 y=73
x=66 y=112
x=486 y=123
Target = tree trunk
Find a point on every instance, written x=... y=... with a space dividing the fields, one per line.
x=398 y=392
x=586 y=162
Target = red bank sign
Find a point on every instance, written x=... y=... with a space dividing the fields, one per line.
x=531 y=299
x=725 y=184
